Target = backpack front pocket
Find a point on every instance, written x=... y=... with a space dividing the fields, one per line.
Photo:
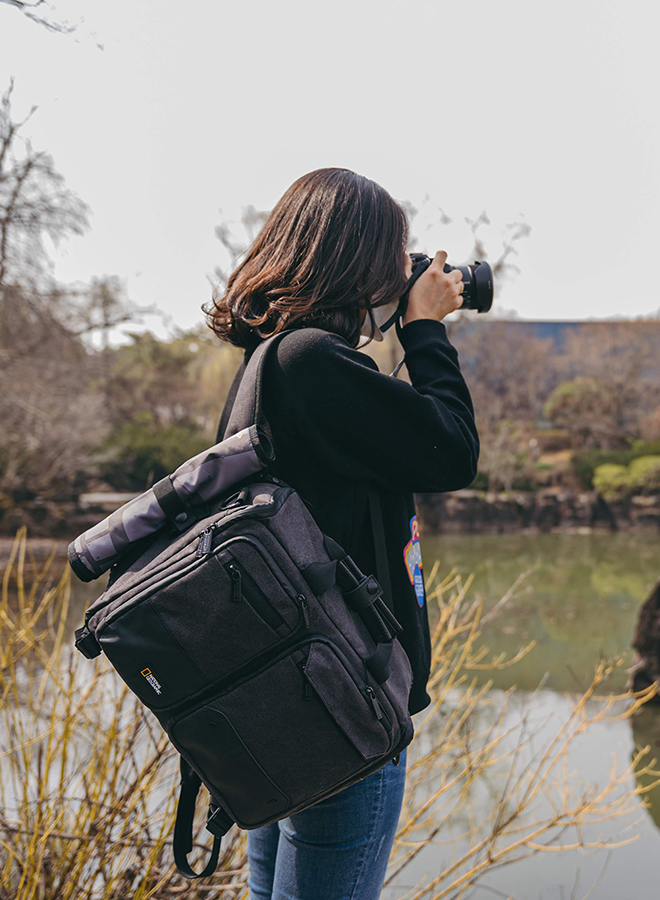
x=353 y=705
x=243 y=587
x=285 y=729
x=256 y=579
x=204 y=624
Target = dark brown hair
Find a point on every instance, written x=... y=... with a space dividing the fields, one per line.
x=334 y=244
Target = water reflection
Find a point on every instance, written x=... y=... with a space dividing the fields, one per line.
x=628 y=872
x=579 y=603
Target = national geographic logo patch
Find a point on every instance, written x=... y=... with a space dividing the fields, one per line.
x=152 y=680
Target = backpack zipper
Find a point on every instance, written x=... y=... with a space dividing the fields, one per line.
x=243 y=586
x=97 y=606
x=366 y=690
x=205 y=542
x=240 y=587
x=378 y=709
x=304 y=608
x=236 y=586
x=307 y=687
x=224 y=685
x=198 y=559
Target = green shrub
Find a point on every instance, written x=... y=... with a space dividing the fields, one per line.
x=612 y=481
x=585 y=462
x=644 y=475
x=616 y=482
x=139 y=453
x=646 y=448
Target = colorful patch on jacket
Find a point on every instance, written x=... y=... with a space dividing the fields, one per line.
x=412 y=555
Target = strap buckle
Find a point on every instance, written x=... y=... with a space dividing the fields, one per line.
x=86 y=643
x=218 y=822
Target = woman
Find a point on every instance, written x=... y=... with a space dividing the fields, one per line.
x=331 y=262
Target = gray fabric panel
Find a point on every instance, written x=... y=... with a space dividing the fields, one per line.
x=80 y=546
x=116 y=528
x=216 y=469
x=142 y=516
x=98 y=530
x=101 y=548
x=216 y=475
x=345 y=702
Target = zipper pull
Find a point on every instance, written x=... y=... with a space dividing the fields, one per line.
x=374 y=702
x=235 y=582
x=205 y=540
x=305 y=609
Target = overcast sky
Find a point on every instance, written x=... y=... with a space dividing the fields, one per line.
x=542 y=113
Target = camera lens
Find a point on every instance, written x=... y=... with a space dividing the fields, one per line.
x=478 y=281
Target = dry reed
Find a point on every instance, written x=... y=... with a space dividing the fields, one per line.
x=88 y=779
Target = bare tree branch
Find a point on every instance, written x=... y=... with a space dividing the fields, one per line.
x=34 y=201
x=50 y=24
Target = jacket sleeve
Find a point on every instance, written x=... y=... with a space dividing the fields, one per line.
x=349 y=417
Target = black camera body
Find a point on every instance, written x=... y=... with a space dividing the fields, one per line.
x=477 y=279
x=477 y=291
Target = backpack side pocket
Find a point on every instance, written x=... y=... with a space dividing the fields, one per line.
x=355 y=708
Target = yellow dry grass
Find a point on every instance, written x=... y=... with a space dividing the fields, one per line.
x=88 y=779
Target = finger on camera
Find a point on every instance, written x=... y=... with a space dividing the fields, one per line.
x=457 y=275
x=440 y=259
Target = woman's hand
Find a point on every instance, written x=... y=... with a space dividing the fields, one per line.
x=435 y=293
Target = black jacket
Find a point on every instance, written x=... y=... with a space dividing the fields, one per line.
x=339 y=424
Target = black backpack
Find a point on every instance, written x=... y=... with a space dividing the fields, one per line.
x=269 y=658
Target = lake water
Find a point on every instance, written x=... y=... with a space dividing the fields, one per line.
x=579 y=604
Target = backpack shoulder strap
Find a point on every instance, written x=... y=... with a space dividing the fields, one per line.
x=244 y=405
x=183 y=827
x=378 y=531
x=229 y=402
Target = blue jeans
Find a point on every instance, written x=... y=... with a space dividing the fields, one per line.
x=335 y=850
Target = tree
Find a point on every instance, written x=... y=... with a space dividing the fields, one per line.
x=41 y=16
x=508 y=372
x=251 y=221
x=52 y=410
x=610 y=389
x=162 y=403
x=589 y=411
x=502 y=458
x=34 y=203
x=622 y=359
